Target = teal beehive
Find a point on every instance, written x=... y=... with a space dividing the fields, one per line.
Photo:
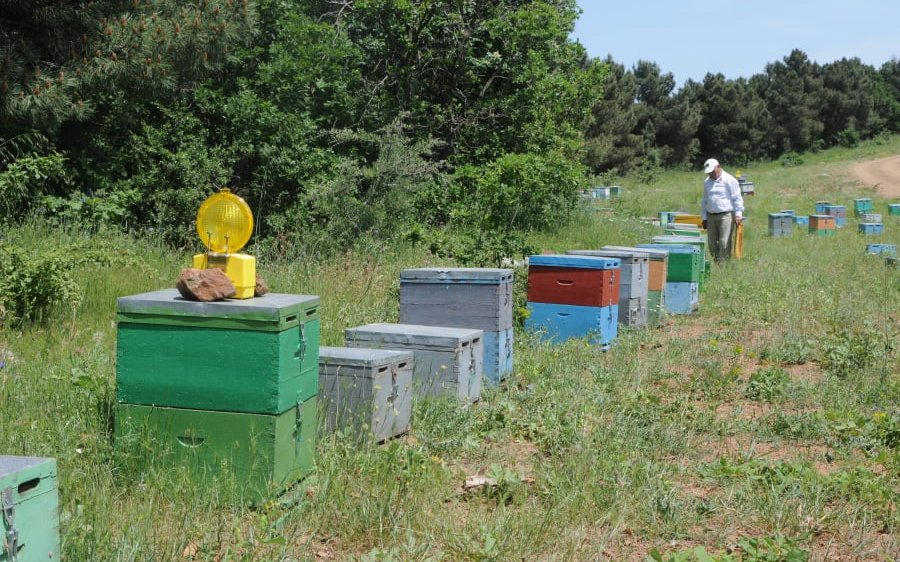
x=29 y=509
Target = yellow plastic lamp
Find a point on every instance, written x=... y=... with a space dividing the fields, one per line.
x=224 y=225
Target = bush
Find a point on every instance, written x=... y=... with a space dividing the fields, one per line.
x=848 y=138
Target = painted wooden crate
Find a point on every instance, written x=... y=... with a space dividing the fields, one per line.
x=820 y=207
x=574 y=280
x=882 y=249
x=686 y=218
x=893 y=209
x=870 y=217
x=821 y=223
x=498 y=356
x=801 y=220
x=368 y=391
x=29 y=509
x=633 y=312
x=658 y=265
x=250 y=455
x=656 y=308
x=780 y=225
x=862 y=205
x=684 y=264
x=558 y=323
x=634 y=270
x=256 y=355
x=697 y=233
x=479 y=298
x=682 y=298
x=700 y=242
x=871 y=228
x=447 y=361
x=839 y=212
x=666 y=218
x=789 y=212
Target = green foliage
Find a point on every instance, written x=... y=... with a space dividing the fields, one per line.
x=26 y=180
x=487 y=207
x=851 y=352
x=35 y=284
x=767 y=384
x=790 y=159
x=790 y=351
x=848 y=138
x=777 y=548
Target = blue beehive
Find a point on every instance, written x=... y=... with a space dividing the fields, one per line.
x=682 y=298
x=479 y=298
x=820 y=207
x=839 y=212
x=633 y=284
x=559 y=322
x=871 y=228
x=802 y=220
x=573 y=296
x=666 y=218
x=789 y=212
x=894 y=209
x=882 y=249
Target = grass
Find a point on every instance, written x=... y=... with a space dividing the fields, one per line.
x=766 y=427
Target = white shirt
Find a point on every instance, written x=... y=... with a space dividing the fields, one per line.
x=722 y=195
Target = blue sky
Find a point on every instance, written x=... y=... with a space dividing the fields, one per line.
x=737 y=37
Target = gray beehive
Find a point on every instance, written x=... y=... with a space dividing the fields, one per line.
x=366 y=388
x=479 y=298
x=447 y=361
x=633 y=287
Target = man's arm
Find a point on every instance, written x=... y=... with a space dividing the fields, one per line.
x=737 y=201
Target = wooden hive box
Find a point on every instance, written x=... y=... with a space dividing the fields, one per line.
x=479 y=298
x=802 y=220
x=368 y=391
x=870 y=217
x=684 y=264
x=882 y=249
x=893 y=209
x=820 y=207
x=256 y=355
x=252 y=456
x=862 y=205
x=447 y=361
x=29 y=509
x=557 y=323
x=634 y=270
x=839 y=212
x=573 y=280
x=685 y=218
x=657 y=268
x=821 y=223
x=780 y=225
x=682 y=297
x=871 y=228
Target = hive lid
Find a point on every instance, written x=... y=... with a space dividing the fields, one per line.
x=673 y=248
x=15 y=470
x=167 y=306
x=362 y=356
x=654 y=254
x=610 y=254
x=581 y=262
x=412 y=336
x=675 y=239
x=473 y=275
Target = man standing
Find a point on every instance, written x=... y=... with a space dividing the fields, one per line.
x=721 y=210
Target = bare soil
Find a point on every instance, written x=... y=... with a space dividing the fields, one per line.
x=882 y=174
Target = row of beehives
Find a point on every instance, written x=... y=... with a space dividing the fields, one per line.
x=829 y=217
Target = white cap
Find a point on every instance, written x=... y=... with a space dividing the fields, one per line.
x=710 y=165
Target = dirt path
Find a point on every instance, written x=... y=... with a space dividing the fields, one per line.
x=883 y=174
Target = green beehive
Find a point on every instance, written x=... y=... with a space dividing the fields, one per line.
x=696 y=233
x=29 y=509
x=685 y=261
x=258 y=454
x=256 y=355
x=656 y=308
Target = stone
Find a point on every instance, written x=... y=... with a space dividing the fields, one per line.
x=205 y=285
x=261 y=287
